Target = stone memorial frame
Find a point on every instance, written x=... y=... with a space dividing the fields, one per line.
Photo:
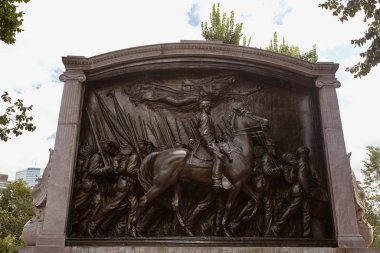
x=81 y=72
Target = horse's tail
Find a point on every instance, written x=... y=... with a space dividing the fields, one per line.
x=145 y=175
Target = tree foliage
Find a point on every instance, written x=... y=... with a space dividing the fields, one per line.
x=346 y=9
x=8 y=244
x=294 y=51
x=15 y=119
x=223 y=28
x=371 y=172
x=15 y=210
x=10 y=20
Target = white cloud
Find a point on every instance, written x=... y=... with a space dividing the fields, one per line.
x=193 y=15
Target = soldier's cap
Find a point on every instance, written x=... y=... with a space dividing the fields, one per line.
x=289 y=157
x=269 y=143
x=303 y=149
x=205 y=103
x=104 y=144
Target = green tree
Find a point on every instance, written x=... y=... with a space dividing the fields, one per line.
x=371 y=172
x=15 y=118
x=347 y=9
x=10 y=20
x=294 y=51
x=15 y=210
x=223 y=28
x=8 y=244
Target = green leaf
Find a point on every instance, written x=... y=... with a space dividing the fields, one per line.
x=15 y=210
x=15 y=118
x=223 y=27
x=346 y=10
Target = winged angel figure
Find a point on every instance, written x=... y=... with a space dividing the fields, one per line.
x=189 y=93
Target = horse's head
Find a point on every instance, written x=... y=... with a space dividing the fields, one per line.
x=242 y=119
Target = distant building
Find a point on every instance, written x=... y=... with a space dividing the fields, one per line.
x=29 y=175
x=3 y=181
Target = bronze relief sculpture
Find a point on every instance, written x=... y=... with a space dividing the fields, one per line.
x=194 y=156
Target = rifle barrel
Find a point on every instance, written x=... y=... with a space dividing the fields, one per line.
x=96 y=139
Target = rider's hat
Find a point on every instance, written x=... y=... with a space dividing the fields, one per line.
x=205 y=103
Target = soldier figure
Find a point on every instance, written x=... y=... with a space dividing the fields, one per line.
x=272 y=171
x=99 y=170
x=299 y=177
x=206 y=130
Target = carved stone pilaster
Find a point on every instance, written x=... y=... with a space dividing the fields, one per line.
x=53 y=233
x=328 y=81
x=74 y=76
x=339 y=173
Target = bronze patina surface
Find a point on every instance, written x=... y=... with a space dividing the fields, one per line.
x=200 y=153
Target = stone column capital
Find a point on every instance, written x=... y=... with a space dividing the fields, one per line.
x=78 y=76
x=327 y=81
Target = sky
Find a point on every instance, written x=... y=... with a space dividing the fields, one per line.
x=30 y=68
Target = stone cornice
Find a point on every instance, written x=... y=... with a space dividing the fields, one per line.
x=195 y=52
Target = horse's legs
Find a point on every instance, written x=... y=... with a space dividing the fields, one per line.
x=151 y=194
x=175 y=205
x=250 y=209
x=246 y=214
x=242 y=217
x=255 y=197
x=202 y=205
x=251 y=193
x=149 y=215
x=246 y=209
x=235 y=190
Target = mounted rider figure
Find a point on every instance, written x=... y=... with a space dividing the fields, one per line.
x=206 y=129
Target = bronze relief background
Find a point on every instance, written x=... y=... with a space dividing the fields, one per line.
x=145 y=166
